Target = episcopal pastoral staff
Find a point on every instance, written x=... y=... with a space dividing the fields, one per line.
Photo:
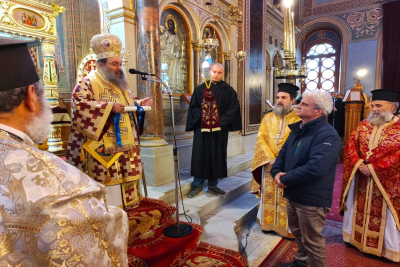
x=51 y=214
x=213 y=111
x=371 y=180
x=305 y=169
x=272 y=134
x=103 y=140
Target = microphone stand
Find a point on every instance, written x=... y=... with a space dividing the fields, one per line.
x=176 y=230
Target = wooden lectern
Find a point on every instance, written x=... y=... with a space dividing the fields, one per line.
x=354 y=101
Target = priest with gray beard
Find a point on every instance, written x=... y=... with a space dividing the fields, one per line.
x=51 y=214
x=103 y=140
x=370 y=199
x=272 y=134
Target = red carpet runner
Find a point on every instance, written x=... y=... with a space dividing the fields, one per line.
x=148 y=247
x=338 y=255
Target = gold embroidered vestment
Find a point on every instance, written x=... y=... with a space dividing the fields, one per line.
x=52 y=214
x=272 y=134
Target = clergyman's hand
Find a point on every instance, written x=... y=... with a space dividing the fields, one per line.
x=118 y=108
x=272 y=162
x=364 y=170
x=147 y=102
x=278 y=180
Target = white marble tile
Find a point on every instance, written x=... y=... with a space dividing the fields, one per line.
x=219 y=231
x=259 y=244
x=237 y=207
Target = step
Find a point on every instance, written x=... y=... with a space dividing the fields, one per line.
x=221 y=224
x=166 y=192
x=259 y=244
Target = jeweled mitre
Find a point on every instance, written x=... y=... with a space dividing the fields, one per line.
x=106 y=45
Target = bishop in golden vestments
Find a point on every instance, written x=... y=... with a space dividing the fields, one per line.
x=103 y=140
x=273 y=132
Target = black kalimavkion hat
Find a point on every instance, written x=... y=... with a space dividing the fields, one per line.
x=17 y=68
x=289 y=88
x=385 y=94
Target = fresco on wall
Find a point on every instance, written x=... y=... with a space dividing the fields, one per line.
x=28 y=18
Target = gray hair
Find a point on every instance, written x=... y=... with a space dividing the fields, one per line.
x=323 y=100
x=396 y=108
x=11 y=99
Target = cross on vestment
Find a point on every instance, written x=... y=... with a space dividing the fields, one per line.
x=277 y=137
x=92 y=65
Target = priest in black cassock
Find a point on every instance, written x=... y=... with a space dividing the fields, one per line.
x=213 y=111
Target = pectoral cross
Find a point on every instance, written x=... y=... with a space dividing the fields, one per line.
x=277 y=137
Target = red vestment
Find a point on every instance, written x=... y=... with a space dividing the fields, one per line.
x=379 y=149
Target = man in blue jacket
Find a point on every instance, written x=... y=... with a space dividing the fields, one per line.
x=305 y=169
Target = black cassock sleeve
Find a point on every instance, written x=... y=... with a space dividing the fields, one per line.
x=194 y=112
x=231 y=119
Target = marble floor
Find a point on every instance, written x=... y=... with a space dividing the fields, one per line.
x=259 y=244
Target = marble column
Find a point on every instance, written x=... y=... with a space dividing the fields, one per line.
x=149 y=60
x=157 y=155
x=227 y=66
x=196 y=63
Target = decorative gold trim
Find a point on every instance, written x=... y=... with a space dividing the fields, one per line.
x=151 y=138
x=384 y=194
x=346 y=237
x=360 y=161
x=120 y=15
x=391 y=254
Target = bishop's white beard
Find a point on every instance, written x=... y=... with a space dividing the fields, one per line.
x=282 y=111
x=120 y=82
x=39 y=128
x=379 y=118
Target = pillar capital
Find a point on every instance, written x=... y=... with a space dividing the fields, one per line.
x=196 y=46
x=227 y=55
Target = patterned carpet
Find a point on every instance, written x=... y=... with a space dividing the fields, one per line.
x=338 y=255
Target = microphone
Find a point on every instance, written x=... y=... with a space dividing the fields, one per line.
x=133 y=71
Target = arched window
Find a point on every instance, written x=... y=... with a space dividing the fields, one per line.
x=322 y=55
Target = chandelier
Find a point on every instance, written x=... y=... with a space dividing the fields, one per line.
x=209 y=44
x=291 y=71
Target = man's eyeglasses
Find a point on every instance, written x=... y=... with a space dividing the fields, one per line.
x=115 y=64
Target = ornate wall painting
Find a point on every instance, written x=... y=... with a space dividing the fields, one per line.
x=28 y=18
x=364 y=24
x=36 y=21
x=175 y=51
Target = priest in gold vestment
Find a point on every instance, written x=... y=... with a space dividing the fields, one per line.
x=103 y=140
x=371 y=181
x=51 y=214
x=273 y=132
